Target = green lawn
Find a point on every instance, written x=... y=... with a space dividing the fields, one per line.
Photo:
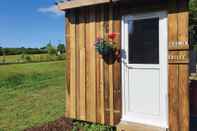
x=16 y=58
x=33 y=58
x=31 y=94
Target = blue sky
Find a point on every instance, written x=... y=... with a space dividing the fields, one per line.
x=30 y=23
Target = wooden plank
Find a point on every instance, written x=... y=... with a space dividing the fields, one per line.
x=178 y=57
x=93 y=63
x=183 y=73
x=179 y=46
x=178 y=92
x=82 y=101
x=106 y=68
x=173 y=71
x=73 y=107
x=111 y=94
x=98 y=57
x=87 y=58
x=82 y=65
x=173 y=97
x=77 y=62
x=80 y=3
x=102 y=95
x=184 y=99
x=106 y=93
x=116 y=68
x=68 y=55
x=90 y=64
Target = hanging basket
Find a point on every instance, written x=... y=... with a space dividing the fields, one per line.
x=107 y=49
x=104 y=48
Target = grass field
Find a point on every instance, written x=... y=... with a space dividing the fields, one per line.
x=31 y=94
x=33 y=57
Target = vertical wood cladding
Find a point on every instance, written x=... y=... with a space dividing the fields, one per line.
x=93 y=90
x=178 y=66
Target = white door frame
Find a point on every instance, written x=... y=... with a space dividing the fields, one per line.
x=163 y=64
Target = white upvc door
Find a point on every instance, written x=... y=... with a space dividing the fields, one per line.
x=144 y=69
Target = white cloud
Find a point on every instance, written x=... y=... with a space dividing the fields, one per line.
x=52 y=10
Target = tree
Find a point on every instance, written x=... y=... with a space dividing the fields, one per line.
x=193 y=5
x=193 y=12
x=27 y=58
x=193 y=22
x=44 y=48
x=51 y=49
x=1 y=51
x=61 y=48
x=23 y=56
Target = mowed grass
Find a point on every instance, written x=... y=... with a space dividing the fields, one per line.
x=31 y=94
x=17 y=58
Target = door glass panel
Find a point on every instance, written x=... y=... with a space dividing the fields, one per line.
x=144 y=41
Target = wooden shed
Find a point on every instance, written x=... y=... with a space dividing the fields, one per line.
x=146 y=88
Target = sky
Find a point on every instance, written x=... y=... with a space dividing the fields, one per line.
x=30 y=23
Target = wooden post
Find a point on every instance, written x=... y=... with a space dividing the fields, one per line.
x=178 y=66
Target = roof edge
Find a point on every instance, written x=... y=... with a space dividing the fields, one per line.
x=80 y=3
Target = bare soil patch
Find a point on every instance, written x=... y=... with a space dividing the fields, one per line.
x=62 y=124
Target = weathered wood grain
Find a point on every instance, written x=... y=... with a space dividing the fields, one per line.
x=77 y=60
x=111 y=86
x=73 y=108
x=178 y=68
x=106 y=68
x=102 y=96
x=173 y=70
x=88 y=71
x=183 y=73
x=67 y=31
x=98 y=90
x=117 y=67
x=82 y=65
x=92 y=93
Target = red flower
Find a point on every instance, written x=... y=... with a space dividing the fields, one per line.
x=112 y=35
